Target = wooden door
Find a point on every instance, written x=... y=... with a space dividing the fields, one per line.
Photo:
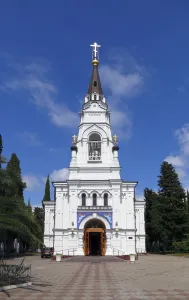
x=103 y=243
x=86 y=243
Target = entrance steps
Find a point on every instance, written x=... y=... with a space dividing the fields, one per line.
x=66 y=253
x=94 y=259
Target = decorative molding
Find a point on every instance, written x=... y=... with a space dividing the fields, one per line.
x=104 y=216
x=92 y=208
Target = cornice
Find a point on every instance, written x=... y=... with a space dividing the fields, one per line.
x=140 y=203
x=48 y=202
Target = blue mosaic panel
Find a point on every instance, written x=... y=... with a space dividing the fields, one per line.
x=107 y=216
x=83 y=215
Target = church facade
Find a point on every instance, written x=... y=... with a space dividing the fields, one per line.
x=95 y=212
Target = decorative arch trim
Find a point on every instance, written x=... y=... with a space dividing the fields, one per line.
x=83 y=192
x=94 y=129
x=106 y=192
x=94 y=192
x=84 y=217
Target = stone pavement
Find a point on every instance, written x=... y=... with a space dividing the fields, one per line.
x=153 y=277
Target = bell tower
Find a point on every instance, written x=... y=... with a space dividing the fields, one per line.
x=94 y=150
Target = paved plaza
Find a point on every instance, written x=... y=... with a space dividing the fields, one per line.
x=153 y=277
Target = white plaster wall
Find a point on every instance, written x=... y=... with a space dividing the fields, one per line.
x=141 y=244
x=140 y=225
x=48 y=223
x=48 y=241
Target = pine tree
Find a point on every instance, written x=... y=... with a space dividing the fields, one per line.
x=169 y=183
x=14 y=172
x=151 y=235
x=4 y=178
x=173 y=215
x=47 y=196
x=39 y=217
x=29 y=208
x=187 y=201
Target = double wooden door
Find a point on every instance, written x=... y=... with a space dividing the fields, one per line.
x=87 y=240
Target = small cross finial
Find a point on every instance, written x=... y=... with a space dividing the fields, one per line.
x=115 y=139
x=74 y=139
x=95 y=52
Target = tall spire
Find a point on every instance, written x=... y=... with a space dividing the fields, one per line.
x=95 y=84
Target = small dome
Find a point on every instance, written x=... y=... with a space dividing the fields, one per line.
x=115 y=148
x=73 y=148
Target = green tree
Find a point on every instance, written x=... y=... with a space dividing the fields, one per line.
x=187 y=201
x=169 y=184
x=40 y=218
x=16 y=218
x=29 y=208
x=151 y=220
x=174 y=217
x=13 y=170
x=47 y=196
x=182 y=246
x=17 y=222
x=5 y=180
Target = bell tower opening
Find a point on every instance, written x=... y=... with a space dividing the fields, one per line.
x=94 y=237
x=95 y=147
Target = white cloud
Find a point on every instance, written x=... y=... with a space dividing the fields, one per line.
x=121 y=123
x=176 y=161
x=181 y=161
x=32 y=182
x=183 y=137
x=123 y=78
x=120 y=84
x=181 y=173
x=36 y=205
x=44 y=179
x=60 y=175
x=33 y=79
x=30 y=138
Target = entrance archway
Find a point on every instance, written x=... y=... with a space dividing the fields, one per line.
x=94 y=237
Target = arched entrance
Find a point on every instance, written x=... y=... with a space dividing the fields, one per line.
x=94 y=238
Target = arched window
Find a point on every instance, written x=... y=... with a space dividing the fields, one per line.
x=94 y=199
x=105 y=199
x=83 y=198
x=94 y=147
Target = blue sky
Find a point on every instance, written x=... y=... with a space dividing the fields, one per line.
x=45 y=67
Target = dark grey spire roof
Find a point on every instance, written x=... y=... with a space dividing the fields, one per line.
x=95 y=84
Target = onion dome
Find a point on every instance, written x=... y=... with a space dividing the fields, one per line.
x=73 y=148
x=115 y=148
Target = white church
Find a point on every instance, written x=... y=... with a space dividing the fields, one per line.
x=95 y=212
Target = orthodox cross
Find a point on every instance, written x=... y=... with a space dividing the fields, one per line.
x=95 y=50
x=74 y=139
x=115 y=139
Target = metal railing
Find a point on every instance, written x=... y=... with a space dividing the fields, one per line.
x=117 y=252
x=69 y=252
x=140 y=250
x=94 y=158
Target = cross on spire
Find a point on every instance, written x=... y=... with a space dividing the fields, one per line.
x=95 y=52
